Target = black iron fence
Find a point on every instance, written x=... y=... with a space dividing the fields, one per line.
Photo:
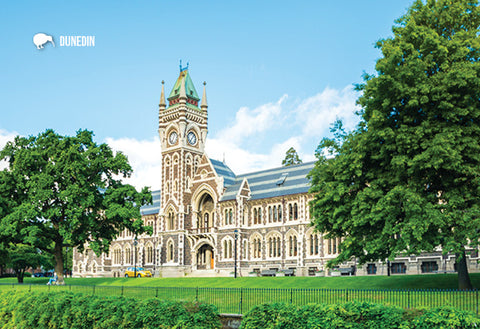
x=240 y=300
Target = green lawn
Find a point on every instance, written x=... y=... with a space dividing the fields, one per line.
x=238 y=295
x=434 y=281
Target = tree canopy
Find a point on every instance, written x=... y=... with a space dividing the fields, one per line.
x=291 y=158
x=62 y=191
x=407 y=179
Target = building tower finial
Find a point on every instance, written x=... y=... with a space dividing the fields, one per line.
x=183 y=93
x=204 y=105
x=162 y=104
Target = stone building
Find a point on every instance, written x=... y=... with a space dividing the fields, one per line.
x=207 y=221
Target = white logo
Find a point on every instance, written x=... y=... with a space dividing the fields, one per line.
x=40 y=39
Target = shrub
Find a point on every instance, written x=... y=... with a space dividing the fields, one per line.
x=445 y=317
x=68 y=310
x=270 y=316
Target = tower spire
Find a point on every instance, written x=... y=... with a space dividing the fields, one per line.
x=162 y=104
x=183 y=93
x=204 y=104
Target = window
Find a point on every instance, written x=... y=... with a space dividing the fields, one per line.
x=398 y=268
x=275 y=215
x=117 y=256
x=279 y=213
x=230 y=217
x=313 y=240
x=256 y=246
x=270 y=214
x=227 y=248
x=371 y=269
x=274 y=246
x=128 y=255
x=149 y=254
x=290 y=212
x=295 y=211
x=170 y=254
x=292 y=246
x=429 y=267
x=171 y=221
x=257 y=216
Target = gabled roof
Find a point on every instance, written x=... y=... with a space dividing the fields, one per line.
x=153 y=208
x=224 y=171
x=273 y=182
x=189 y=87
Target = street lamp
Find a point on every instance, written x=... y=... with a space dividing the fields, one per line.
x=236 y=237
x=135 y=242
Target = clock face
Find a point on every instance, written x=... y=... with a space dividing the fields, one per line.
x=192 y=138
x=172 y=139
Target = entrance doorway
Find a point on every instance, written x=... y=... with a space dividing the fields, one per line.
x=205 y=257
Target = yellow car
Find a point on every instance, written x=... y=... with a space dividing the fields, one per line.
x=140 y=272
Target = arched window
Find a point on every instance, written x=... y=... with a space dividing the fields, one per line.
x=256 y=247
x=128 y=255
x=270 y=214
x=170 y=253
x=295 y=211
x=274 y=246
x=226 y=216
x=205 y=221
x=230 y=217
x=171 y=221
x=275 y=215
x=255 y=216
x=290 y=212
x=149 y=254
x=279 y=213
x=117 y=256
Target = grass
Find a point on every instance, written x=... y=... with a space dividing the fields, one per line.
x=226 y=294
x=433 y=281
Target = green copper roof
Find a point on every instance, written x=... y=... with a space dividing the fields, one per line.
x=189 y=87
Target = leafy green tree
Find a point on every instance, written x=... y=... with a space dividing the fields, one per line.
x=407 y=179
x=291 y=158
x=22 y=257
x=67 y=191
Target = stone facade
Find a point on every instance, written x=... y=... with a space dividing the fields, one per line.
x=206 y=218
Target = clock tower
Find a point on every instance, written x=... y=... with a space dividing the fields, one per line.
x=183 y=132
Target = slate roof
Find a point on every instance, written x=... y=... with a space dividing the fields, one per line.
x=273 y=182
x=152 y=208
x=263 y=184
x=224 y=171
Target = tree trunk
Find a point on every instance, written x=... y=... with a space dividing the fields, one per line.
x=58 y=253
x=463 y=277
x=20 y=276
x=388 y=267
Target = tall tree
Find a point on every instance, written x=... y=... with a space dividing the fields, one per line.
x=291 y=158
x=408 y=179
x=67 y=191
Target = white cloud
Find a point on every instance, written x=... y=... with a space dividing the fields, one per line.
x=250 y=122
x=5 y=136
x=315 y=114
x=145 y=158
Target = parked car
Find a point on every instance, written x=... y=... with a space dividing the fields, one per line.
x=141 y=272
x=39 y=275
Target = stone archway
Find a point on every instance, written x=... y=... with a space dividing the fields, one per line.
x=205 y=257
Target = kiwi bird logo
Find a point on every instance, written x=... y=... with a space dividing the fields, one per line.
x=40 y=39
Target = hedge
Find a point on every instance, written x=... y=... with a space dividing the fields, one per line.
x=355 y=315
x=69 y=310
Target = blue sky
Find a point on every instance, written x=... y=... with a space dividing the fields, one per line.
x=277 y=72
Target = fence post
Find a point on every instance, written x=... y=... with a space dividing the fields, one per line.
x=241 y=301
x=156 y=292
x=291 y=295
x=476 y=293
x=122 y=290
x=347 y=294
x=408 y=298
x=196 y=295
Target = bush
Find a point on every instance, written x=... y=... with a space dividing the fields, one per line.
x=445 y=317
x=68 y=310
x=355 y=315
